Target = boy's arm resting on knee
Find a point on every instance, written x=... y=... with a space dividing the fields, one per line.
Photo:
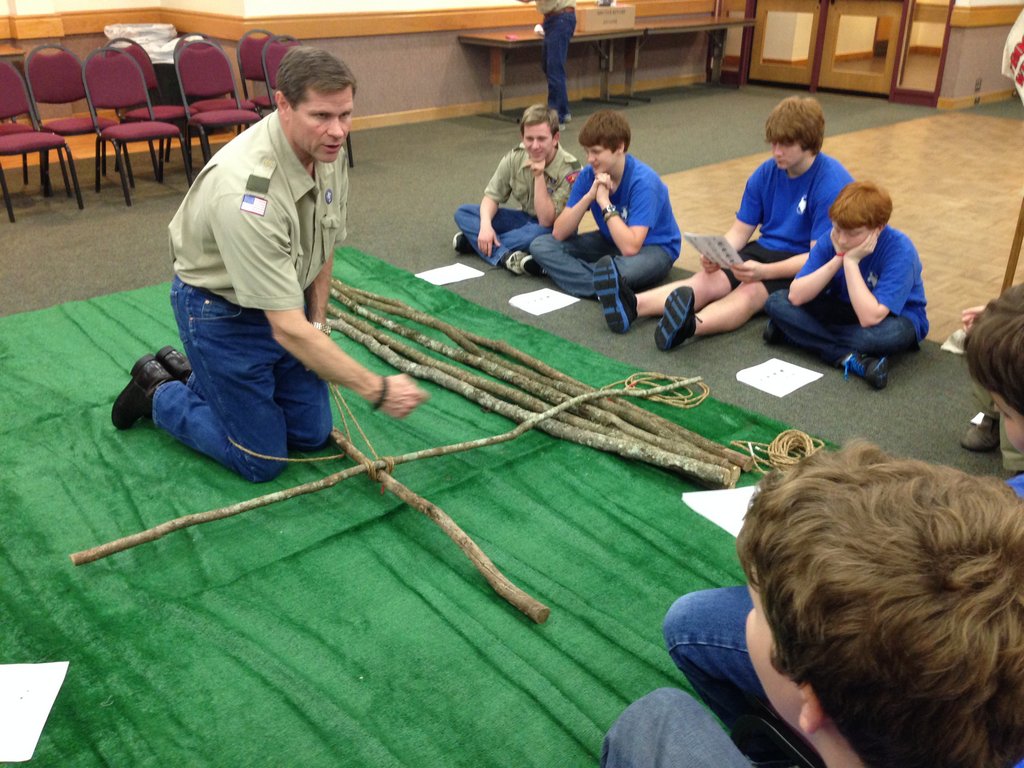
x=806 y=288
x=629 y=240
x=568 y=221
x=326 y=359
x=487 y=238
x=739 y=234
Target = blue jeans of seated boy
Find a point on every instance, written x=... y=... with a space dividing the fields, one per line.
x=558 y=31
x=515 y=229
x=830 y=328
x=244 y=387
x=666 y=729
x=570 y=263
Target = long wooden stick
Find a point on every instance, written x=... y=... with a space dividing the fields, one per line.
x=515 y=596
x=187 y=521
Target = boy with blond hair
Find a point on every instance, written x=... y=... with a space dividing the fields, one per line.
x=859 y=297
x=787 y=197
x=637 y=232
x=536 y=176
x=883 y=620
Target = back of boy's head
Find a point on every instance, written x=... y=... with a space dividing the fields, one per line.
x=608 y=129
x=995 y=347
x=893 y=588
x=861 y=204
x=796 y=120
x=538 y=114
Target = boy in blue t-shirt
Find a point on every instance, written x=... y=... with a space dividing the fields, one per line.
x=860 y=296
x=787 y=197
x=637 y=234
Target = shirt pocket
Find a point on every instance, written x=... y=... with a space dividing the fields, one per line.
x=330 y=226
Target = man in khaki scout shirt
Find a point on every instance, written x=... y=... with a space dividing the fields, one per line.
x=559 y=25
x=537 y=175
x=252 y=246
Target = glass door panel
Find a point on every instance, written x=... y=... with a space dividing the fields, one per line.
x=784 y=37
x=860 y=45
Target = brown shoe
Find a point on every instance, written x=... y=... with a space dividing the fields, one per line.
x=981 y=437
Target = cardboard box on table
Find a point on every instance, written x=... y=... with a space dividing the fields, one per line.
x=605 y=18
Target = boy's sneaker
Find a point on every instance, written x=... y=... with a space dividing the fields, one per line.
x=679 y=320
x=461 y=244
x=874 y=370
x=981 y=437
x=772 y=334
x=617 y=300
x=522 y=263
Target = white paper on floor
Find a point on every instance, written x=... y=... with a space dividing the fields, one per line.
x=27 y=693
x=725 y=508
x=777 y=377
x=543 y=301
x=453 y=273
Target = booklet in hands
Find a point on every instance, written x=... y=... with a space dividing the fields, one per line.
x=714 y=248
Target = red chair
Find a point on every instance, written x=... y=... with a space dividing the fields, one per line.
x=113 y=80
x=218 y=91
x=54 y=76
x=27 y=138
x=250 y=67
x=273 y=52
x=168 y=113
x=204 y=71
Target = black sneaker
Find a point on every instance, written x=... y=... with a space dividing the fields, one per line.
x=461 y=244
x=772 y=334
x=617 y=300
x=874 y=370
x=678 y=322
x=136 y=399
x=175 y=363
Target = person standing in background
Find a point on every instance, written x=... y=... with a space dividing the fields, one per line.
x=559 y=25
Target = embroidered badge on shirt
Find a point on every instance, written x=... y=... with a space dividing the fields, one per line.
x=253 y=204
x=802 y=205
x=872 y=280
x=329 y=196
x=571 y=178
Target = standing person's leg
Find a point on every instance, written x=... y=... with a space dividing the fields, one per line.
x=570 y=263
x=558 y=31
x=668 y=729
x=229 y=403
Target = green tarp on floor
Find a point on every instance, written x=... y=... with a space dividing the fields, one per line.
x=341 y=628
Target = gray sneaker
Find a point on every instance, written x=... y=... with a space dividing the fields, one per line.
x=522 y=263
x=981 y=437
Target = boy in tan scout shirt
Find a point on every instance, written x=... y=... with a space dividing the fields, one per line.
x=537 y=175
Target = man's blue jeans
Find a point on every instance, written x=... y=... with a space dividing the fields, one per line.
x=558 y=31
x=668 y=729
x=831 y=328
x=244 y=388
x=570 y=263
x=515 y=229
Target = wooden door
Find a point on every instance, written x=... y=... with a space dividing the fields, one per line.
x=861 y=41
x=784 y=41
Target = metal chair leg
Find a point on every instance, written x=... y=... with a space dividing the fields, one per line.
x=74 y=175
x=7 y=195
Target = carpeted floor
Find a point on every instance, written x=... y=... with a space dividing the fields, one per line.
x=341 y=628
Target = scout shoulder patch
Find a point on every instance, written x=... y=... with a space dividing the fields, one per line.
x=571 y=178
x=259 y=179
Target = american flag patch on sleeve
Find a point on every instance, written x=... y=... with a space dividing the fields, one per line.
x=253 y=204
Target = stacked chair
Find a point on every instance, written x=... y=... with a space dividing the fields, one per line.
x=24 y=138
x=114 y=81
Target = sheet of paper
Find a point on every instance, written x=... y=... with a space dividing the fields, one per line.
x=725 y=508
x=777 y=377
x=543 y=301
x=715 y=248
x=453 y=273
x=27 y=693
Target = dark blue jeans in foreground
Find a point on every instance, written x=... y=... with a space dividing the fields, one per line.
x=515 y=229
x=244 y=386
x=668 y=729
x=831 y=329
x=558 y=31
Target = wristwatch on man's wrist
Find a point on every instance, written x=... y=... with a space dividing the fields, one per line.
x=610 y=211
x=322 y=327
